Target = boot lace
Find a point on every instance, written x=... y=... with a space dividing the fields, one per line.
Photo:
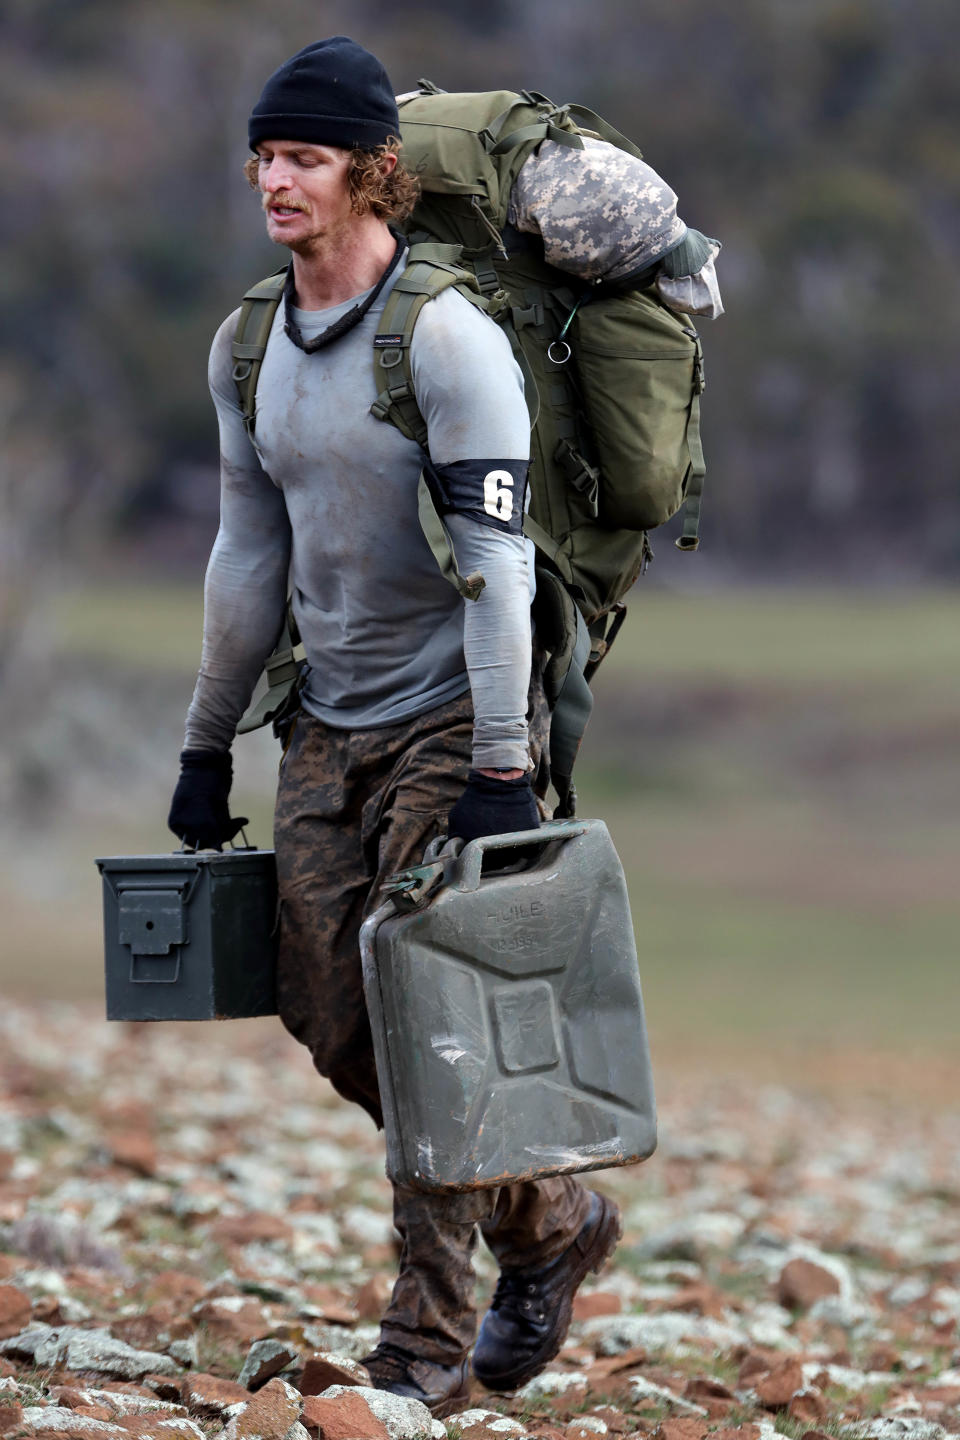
x=519 y=1297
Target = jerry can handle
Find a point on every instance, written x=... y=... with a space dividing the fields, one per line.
x=468 y=866
x=442 y=848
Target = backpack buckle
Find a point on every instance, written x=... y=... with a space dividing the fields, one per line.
x=389 y=350
x=498 y=304
x=532 y=315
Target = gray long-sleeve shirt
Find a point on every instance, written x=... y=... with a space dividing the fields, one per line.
x=327 y=495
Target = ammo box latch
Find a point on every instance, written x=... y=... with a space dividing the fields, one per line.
x=152 y=923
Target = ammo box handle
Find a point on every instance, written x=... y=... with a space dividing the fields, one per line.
x=468 y=866
x=133 y=880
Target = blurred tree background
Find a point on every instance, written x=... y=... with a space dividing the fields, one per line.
x=778 y=765
x=817 y=140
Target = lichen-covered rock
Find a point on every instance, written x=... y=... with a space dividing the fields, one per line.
x=60 y=1420
x=78 y=1350
x=552 y=1382
x=643 y=1389
x=15 y=1308
x=98 y=1350
x=210 y=1396
x=905 y=1427
x=777 y=1388
x=185 y=1351
x=401 y=1418
x=265 y=1359
x=486 y=1425
x=11 y=1417
x=615 y=1333
x=323 y=1369
x=692 y=1236
x=802 y=1283
x=178 y=1427
x=232 y=1319
x=342 y=1416
x=339 y=1340
x=270 y=1415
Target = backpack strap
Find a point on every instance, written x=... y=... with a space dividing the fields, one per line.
x=282 y=671
x=689 y=538
x=541 y=130
x=250 y=341
x=437 y=537
x=563 y=632
x=431 y=269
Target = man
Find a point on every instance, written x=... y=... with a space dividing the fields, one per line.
x=414 y=716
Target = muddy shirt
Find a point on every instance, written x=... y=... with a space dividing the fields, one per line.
x=328 y=494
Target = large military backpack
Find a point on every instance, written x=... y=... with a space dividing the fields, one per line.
x=612 y=377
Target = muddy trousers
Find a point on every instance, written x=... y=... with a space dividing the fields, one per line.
x=354 y=807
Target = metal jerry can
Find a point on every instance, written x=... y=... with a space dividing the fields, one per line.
x=506 y=1012
x=190 y=935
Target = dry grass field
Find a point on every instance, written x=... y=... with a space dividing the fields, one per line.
x=778 y=769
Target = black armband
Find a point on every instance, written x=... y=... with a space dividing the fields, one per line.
x=492 y=492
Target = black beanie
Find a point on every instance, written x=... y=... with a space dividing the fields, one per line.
x=331 y=93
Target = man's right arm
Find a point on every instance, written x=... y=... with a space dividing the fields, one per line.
x=246 y=584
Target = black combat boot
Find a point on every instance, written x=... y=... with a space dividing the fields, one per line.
x=529 y=1315
x=444 y=1389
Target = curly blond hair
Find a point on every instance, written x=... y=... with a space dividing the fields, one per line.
x=389 y=197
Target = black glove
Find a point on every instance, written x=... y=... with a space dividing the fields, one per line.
x=199 y=814
x=491 y=806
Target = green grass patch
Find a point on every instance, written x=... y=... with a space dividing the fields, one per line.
x=796 y=636
x=147 y=627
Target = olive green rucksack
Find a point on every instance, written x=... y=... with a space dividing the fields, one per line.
x=612 y=376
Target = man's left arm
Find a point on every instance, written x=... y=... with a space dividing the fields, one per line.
x=470 y=392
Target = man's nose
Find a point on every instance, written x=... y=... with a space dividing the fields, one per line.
x=275 y=176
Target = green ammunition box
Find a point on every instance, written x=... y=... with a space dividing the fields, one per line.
x=190 y=936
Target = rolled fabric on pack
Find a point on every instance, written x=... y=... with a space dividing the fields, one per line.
x=602 y=214
x=687 y=282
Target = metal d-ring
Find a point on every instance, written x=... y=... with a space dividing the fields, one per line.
x=560 y=341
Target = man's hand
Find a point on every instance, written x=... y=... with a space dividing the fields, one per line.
x=199 y=814
x=492 y=805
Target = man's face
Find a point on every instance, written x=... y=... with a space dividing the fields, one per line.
x=304 y=191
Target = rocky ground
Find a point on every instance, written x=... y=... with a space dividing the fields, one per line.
x=195 y=1240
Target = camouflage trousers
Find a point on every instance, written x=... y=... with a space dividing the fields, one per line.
x=354 y=807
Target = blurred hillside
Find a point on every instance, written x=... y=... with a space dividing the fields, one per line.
x=818 y=141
